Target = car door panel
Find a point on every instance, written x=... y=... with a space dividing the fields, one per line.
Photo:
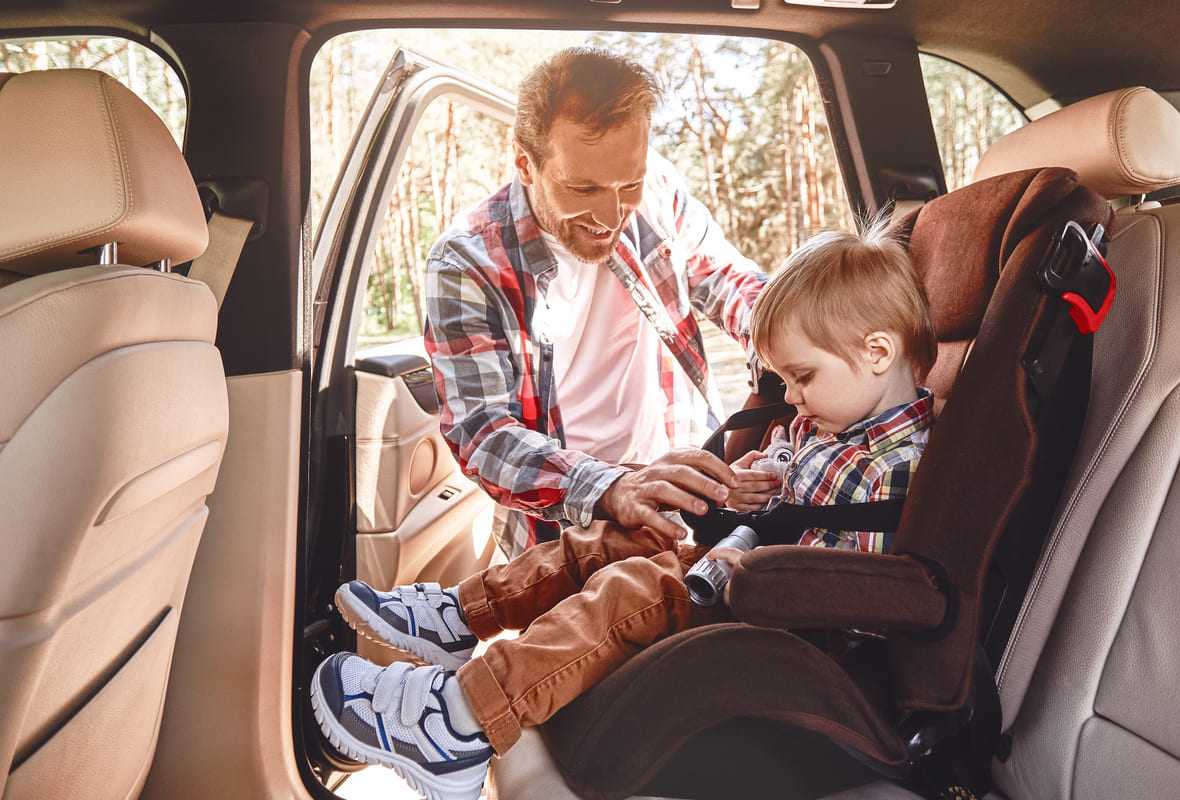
x=417 y=517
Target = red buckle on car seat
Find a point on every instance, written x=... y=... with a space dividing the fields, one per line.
x=1077 y=269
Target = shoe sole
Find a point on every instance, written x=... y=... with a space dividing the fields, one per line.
x=369 y=624
x=463 y=785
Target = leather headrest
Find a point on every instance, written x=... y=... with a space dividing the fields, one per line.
x=1121 y=143
x=84 y=162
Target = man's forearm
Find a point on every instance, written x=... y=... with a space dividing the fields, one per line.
x=530 y=472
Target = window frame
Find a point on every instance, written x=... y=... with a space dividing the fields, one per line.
x=988 y=81
x=999 y=89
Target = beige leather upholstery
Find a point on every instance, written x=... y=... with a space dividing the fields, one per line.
x=1125 y=142
x=96 y=166
x=400 y=454
x=233 y=673
x=527 y=772
x=1088 y=682
x=112 y=430
x=417 y=517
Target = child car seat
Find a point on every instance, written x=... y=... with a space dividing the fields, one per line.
x=988 y=482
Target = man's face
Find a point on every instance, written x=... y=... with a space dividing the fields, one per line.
x=585 y=190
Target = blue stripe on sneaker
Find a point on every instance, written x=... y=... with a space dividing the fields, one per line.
x=446 y=717
x=381 y=731
x=412 y=620
x=422 y=727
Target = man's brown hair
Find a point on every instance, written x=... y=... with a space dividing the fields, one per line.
x=838 y=286
x=597 y=89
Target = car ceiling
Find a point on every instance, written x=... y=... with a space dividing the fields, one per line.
x=1033 y=50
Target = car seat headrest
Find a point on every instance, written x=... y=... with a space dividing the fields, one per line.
x=1121 y=143
x=84 y=162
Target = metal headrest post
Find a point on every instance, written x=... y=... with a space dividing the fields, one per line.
x=108 y=253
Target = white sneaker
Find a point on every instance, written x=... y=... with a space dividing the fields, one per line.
x=397 y=717
x=423 y=619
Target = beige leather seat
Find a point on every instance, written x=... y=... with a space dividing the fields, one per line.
x=1088 y=681
x=113 y=420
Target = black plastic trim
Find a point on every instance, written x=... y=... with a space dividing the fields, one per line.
x=392 y=366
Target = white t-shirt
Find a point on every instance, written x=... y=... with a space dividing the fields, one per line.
x=606 y=361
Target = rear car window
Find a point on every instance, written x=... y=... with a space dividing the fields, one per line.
x=139 y=68
x=968 y=113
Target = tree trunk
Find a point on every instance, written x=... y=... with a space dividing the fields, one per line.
x=788 y=158
x=697 y=71
x=948 y=136
x=414 y=214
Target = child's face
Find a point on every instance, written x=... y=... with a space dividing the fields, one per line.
x=824 y=387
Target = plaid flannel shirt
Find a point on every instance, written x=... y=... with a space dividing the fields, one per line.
x=875 y=459
x=486 y=279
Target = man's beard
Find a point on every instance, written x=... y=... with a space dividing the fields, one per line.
x=572 y=236
x=584 y=248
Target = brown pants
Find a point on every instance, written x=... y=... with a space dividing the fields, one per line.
x=589 y=601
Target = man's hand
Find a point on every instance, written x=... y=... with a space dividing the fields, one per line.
x=755 y=488
x=677 y=481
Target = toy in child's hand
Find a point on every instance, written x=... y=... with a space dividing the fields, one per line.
x=778 y=454
x=707 y=578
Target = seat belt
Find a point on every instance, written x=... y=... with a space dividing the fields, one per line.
x=215 y=267
x=784 y=523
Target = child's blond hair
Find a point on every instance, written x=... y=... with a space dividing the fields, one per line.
x=838 y=286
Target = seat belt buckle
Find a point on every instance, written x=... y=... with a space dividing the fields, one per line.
x=1077 y=270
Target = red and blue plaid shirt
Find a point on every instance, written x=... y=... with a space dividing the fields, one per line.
x=493 y=361
x=875 y=459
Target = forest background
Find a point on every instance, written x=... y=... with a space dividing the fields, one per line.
x=742 y=120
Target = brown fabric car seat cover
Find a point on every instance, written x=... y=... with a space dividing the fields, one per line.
x=1006 y=226
x=977 y=251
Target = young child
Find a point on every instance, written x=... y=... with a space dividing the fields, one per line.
x=846 y=325
x=845 y=322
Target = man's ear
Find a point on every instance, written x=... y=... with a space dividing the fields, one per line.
x=524 y=166
x=880 y=351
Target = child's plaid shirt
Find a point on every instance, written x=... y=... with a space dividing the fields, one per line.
x=486 y=279
x=875 y=459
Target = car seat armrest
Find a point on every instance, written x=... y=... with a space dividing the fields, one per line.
x=786 y=586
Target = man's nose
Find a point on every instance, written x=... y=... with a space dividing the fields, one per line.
x=609 y=211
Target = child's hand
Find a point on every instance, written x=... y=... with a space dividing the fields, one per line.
x=731 y=556
x=755 y=488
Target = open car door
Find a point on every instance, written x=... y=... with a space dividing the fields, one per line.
x=388 y=502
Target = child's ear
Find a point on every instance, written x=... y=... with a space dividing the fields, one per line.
x=880 y=351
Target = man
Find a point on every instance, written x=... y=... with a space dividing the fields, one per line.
x=560 y=316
